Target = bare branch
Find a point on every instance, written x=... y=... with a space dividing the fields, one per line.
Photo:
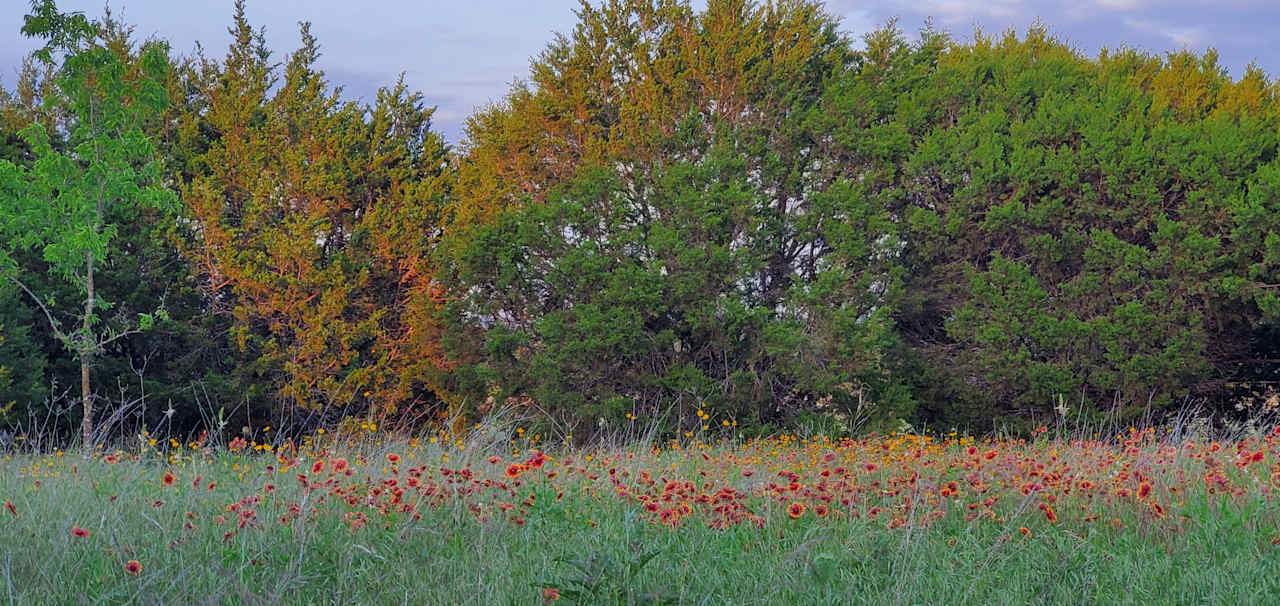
x=132 y=331
x=53 y=322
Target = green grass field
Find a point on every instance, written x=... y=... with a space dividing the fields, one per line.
x=377 y=519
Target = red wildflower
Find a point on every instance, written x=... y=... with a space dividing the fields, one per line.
x=133 y=567
x=317 y=467
x=668 y=516
x=1049 y=514
x=111 y=459
x=514 y=470
x=795 y=510
x=1144 y=489
x=339 y=465
x=550 y=594
x=79 y=532
x=393 y=458
x=1026 y=532
x=820 y=510
x=9 y=505
x=168 y=479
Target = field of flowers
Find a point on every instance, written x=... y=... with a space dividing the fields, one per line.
x=498 y=518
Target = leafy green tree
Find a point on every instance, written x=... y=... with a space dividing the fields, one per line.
x=61 y=204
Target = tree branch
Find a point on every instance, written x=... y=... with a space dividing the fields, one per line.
x=130 y=331
x=53 y=322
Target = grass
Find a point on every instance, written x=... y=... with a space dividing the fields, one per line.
x=1136 y=519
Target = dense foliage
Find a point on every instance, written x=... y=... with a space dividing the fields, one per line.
x=742 y=210
x=684 y=237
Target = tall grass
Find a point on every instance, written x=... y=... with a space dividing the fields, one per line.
x=588 y=535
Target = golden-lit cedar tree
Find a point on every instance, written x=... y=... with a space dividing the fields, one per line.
x=408 y=181
x=615 y=89
x=314 y=218
x=652 y=221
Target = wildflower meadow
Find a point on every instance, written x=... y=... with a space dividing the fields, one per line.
x=494 y=515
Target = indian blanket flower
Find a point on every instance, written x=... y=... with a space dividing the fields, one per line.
x=513 y=470
x=79 y=532
x=339 y=465
x=168 y=479
x=393 y=458
x=9 y=505
x=1049 y=514
x=133 y=567
x=550 y=594
x=111 y=459
x=795 y=510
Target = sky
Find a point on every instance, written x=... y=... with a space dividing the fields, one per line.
x=464 y=54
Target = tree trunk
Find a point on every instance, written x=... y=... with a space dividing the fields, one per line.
x=86 y=398
x=86 y=354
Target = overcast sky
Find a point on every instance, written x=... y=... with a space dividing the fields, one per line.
x=462 y=54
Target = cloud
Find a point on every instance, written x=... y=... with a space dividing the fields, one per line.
x=858 y=21
x=967 y=10
x=1180 y=35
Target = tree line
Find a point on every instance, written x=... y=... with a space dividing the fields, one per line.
x=742 y=210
